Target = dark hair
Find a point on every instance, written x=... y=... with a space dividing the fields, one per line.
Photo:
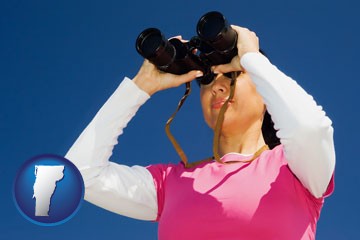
x=269 y=132
x=267 y=128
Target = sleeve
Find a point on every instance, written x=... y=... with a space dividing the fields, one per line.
x=159 y=173
x=303 y=127
x=128 y=191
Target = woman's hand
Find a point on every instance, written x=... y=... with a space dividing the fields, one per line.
x=247 y=42
x=151 y=80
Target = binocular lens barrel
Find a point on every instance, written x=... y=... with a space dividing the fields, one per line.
x=210 y=25
x=216 y=43
x=152 y=45
x=214 y=29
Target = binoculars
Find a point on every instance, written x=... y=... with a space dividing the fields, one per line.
x=214 y=44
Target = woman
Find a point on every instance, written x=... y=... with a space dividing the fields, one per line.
x=257 y=194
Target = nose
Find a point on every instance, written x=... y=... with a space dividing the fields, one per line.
x=220 y=85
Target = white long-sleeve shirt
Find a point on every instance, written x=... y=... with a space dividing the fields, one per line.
x=303 y=129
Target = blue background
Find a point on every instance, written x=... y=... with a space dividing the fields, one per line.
x=61 y=60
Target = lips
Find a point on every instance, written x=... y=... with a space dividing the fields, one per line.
x=218 y=103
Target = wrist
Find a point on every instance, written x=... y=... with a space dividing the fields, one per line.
x=144 y=84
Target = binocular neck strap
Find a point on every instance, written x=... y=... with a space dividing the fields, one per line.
x=217 y=129
x=221 y=116
x=219 y=123
x=172 y=139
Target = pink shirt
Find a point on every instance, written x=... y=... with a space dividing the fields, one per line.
x=258 y=200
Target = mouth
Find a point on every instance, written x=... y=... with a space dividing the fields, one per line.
x=217 y=104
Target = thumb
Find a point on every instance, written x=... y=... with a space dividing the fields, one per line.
x=224 y=68
x=233 y=66
x=187 y=77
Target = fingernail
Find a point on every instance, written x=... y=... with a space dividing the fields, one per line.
x=199 y=74
x=213 y=69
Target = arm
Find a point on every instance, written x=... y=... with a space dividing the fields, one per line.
x=303 y=128
x=129 y=191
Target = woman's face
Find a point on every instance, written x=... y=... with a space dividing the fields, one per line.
x=243 y=111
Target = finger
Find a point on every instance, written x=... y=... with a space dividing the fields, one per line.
x=195 y=51
x=240 y=29
x=224 y=68
x=178 y=37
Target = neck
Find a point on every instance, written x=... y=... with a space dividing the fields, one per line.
x=246 y=143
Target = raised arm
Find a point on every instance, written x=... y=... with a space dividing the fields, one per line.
x=128 y=191
x=118 y=188
x=303 y=128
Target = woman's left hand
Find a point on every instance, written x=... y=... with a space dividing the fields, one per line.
x=247 y=42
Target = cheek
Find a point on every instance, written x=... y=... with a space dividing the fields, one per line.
x=246 y=93
x=248 y=104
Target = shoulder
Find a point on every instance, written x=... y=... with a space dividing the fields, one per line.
x=274 y=155
x=161 y=170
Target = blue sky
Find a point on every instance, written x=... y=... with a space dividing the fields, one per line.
x=61 y=60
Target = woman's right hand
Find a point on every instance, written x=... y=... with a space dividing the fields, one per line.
x=151 y=80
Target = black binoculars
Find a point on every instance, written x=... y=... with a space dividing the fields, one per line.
x=214 y=44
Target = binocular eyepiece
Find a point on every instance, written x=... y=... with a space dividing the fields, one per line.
x=214 y=44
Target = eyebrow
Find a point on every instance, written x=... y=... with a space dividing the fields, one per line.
x=228 y=74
